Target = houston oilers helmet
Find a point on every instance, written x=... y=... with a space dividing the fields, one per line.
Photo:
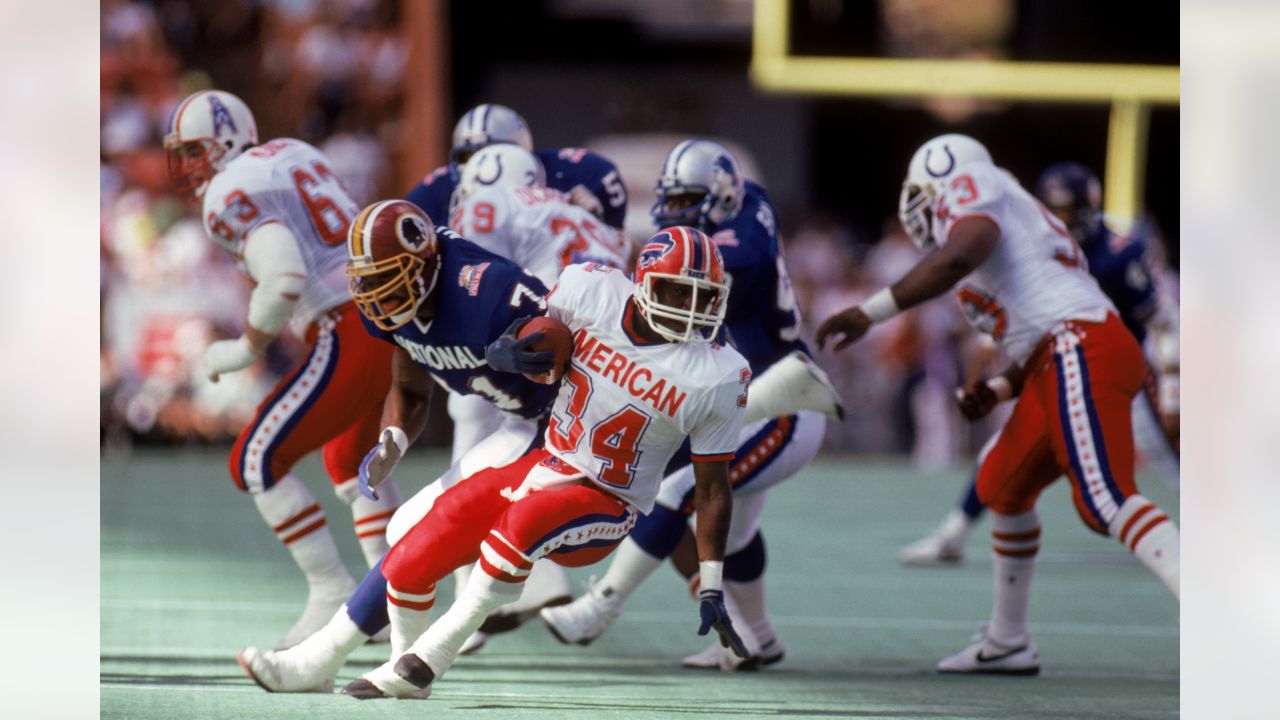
x=207 y=130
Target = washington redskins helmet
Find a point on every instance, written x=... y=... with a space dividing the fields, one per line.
x=484 y=125
x=501 y=165
x=207 y=130
x=684 y=256
x=931 y=168
x=393 y=259
x=1072 y=192
x=709 y=173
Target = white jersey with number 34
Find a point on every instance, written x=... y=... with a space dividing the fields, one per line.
x=625 y=406
x=1034 y=279
x=289 y=182
x=538 y=229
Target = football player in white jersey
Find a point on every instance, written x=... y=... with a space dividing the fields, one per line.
x=1021 y=277
x=645 y=374
x=283 y=215
x=502 y=203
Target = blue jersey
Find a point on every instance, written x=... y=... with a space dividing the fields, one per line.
x=762 y=319
x=478 y=294
x=1116 y=262
x=566 y=169
x=569 y=167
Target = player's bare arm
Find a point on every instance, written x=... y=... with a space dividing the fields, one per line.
x=970 y=243
x=408 y=397
x=981 y=397
x=713 y=503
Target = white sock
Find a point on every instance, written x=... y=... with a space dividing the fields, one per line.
x=546 y=581
x=749 y=599
x=331 y=645
x=439 y=645
x=293 y=513
x=1142 y=526
x=630 y=566
x=1015 y=542
x=409 y=617
x=461 y=577
x=371 y=517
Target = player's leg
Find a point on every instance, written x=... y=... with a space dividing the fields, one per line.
x=292 y=421
x=572 y=524
x=1010 y=479
x=1097 y=381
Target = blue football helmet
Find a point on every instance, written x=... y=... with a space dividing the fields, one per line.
x=1072 y=192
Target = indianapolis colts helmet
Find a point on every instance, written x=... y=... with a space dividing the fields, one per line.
x=684 y=256
x=485 y=125
x=1072 y=192
x=931 y=168
x=393 y=261
x=207 y=130
x=700 y=184
x=501 y=165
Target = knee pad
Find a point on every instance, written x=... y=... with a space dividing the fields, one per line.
x=748 y=563
x=659 y=532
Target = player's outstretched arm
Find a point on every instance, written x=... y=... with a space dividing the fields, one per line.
x=969 y=244
x=273 y=260
x=713 y=502
x=404 y=415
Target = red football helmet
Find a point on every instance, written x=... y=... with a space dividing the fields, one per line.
x=393 y=259
x=686 y=257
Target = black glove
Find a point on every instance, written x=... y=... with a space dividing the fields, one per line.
x=716 y=615
x=509 y=354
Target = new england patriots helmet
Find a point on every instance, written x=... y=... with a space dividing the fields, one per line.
x=700 y=184
x=206 y=131
x=684 y=257
x=485 y=125
x=1072 y=192
x=393 y=260
x=932 y=166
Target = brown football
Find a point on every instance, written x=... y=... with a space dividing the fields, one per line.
x=556 y=338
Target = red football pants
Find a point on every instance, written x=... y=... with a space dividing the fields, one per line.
x=1074 y=416
x=332 y=398
x=573 y=525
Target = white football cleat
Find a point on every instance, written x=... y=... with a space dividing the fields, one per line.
x=322 y=603
x=719 y=657
x=281 y=672
x=407 y=678
x=987 y=657
x=943 y=546
x=547 y=586
x=584 y=619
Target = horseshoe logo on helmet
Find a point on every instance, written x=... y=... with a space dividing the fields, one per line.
x=951 y=162
x=497 y=163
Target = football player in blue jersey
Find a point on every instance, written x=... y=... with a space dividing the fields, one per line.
x=588 y=178
x=702 y=185
x=441 y=300
x=1073 y=194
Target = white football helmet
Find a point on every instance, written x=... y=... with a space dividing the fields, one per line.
x=700 y=183
x=931 y=168
x=501 y=165
x=207 y=130
x=485 y=125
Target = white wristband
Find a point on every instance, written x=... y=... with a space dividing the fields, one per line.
x=398 y=437
x=1170 y=390
x=710 y=574
x=881 y=306
x=1001 y=387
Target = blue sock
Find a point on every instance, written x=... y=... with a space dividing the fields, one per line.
x=659 y=532
x=748 y=563
x=971 y=506
x=367 y=606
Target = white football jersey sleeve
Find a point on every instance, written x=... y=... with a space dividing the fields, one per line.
x=289 y=182
x=538 y=229
x=625 y=406
x=1035 y=278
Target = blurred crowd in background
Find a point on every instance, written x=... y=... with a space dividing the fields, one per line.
x=332 y=72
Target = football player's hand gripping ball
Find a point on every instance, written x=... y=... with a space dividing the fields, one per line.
x=510 y=354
